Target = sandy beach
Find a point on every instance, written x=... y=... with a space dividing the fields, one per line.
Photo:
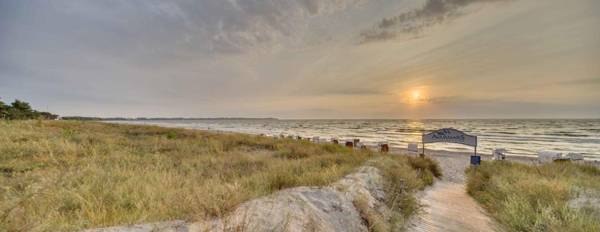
x=453 y=164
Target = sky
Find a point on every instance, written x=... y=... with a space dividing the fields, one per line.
x=303 y=58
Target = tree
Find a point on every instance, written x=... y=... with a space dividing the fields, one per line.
x=20 y=110
x=3 y=110
x=47 y=115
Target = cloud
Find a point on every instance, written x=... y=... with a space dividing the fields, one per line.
x=236 y=26
x=431 y=13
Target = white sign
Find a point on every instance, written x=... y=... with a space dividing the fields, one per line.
x=450 y=135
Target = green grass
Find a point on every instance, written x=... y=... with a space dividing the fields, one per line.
x=536 y=198
x=70 y=175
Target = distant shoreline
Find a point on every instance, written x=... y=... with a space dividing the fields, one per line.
x=157 y=119
x=394 y=149
x=85 y=118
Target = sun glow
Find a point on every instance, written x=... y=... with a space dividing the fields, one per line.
x=415 y=96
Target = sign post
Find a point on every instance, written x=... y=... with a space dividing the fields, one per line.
x=451 y=135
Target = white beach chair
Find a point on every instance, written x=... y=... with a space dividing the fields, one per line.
x=316 y=139
x=549 y=156
x=499 y=154
x=413 y=147
x=575 y=157
x=360 y=145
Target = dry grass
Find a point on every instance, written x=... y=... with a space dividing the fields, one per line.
x=57 y=175
x=70 y=175
x=536 y=198
x=405 y=175
x=373 y=219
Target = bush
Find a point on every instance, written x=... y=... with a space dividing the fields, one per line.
x=20 y=110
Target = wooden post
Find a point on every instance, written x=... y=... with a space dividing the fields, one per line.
x=423 y=142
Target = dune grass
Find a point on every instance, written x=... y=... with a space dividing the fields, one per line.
x=550 y=197
x=403 y=176
x=70 y=175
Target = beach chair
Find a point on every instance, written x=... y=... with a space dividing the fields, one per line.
x=349 y=144
x=316 y=139
x=574 y=157
x=413 y=147
x=499 y=154
x=363 y=146
x=549 y=156
x=384 y=147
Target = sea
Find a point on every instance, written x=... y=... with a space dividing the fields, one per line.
x=522 y=137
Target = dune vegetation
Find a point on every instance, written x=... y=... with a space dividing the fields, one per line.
x=71 y=175
x=560 y=196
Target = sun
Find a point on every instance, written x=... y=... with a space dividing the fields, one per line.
x=415 y=95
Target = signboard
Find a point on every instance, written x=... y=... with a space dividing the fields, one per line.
x=450 y=135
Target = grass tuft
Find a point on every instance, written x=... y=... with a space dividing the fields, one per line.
x=537 y=198
x=403 y=176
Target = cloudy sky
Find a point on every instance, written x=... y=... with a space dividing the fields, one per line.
x=303 y=58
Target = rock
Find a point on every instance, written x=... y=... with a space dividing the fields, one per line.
x=169 y=226
x=584 y=198
x=296 y=209
x=307 y=208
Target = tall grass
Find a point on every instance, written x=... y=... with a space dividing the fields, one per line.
x=58 y=176
x=537 y=198
x=404 y=175
x=64 y=176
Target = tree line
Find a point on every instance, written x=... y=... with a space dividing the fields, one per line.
x=21 y=110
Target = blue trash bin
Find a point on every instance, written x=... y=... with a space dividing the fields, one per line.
x=475 y=160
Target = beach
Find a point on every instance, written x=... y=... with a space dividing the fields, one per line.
x=521 y=137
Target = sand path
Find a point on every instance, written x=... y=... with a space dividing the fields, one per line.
x=447 y=206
